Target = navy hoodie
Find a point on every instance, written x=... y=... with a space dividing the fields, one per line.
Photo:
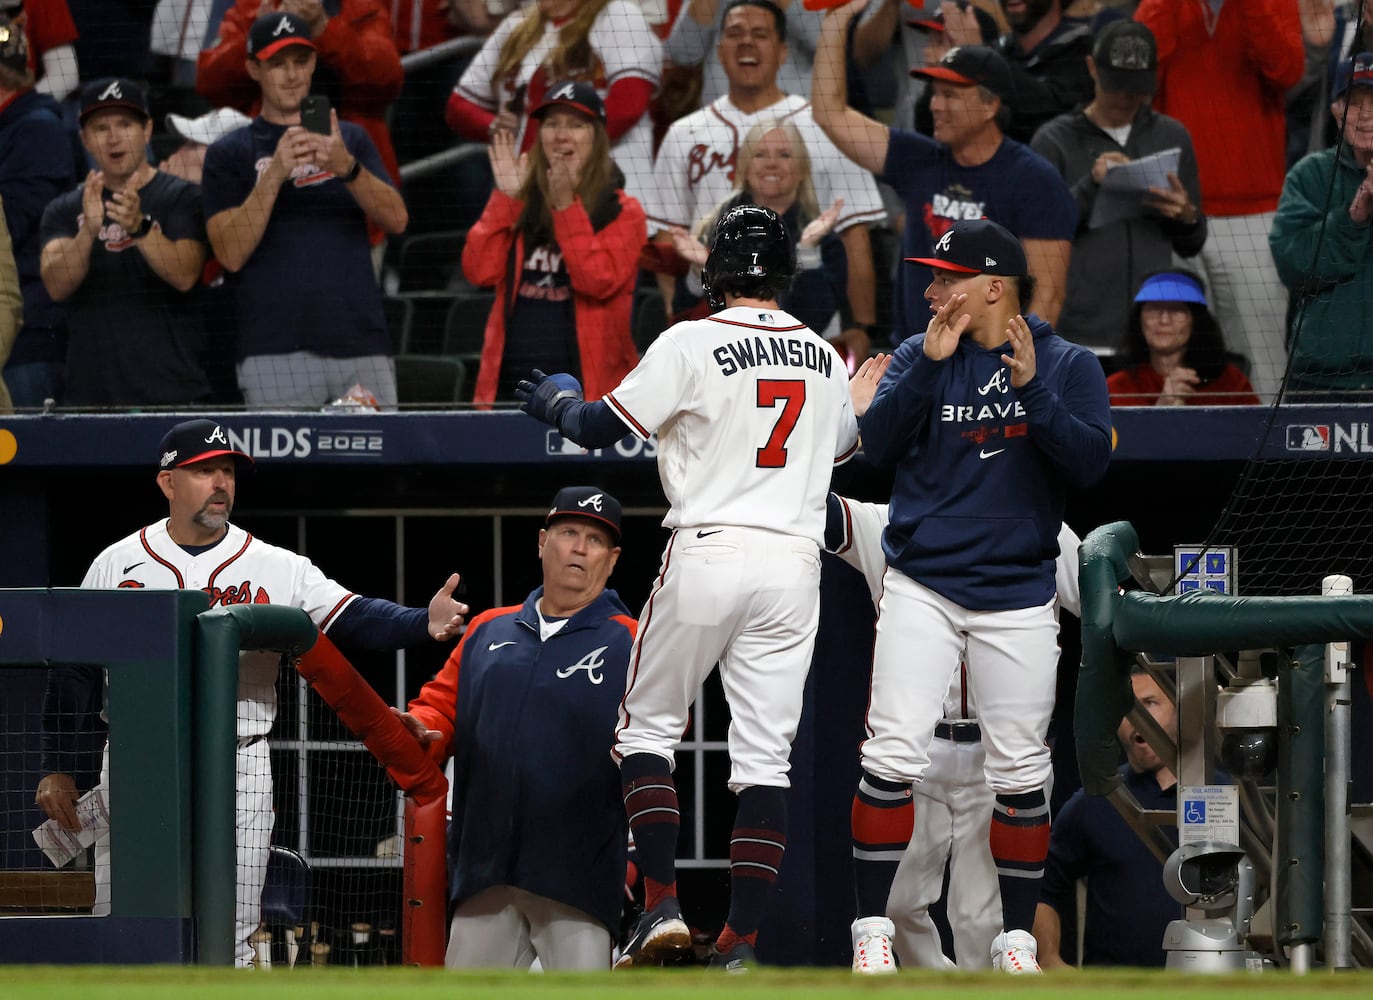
x=982 y=468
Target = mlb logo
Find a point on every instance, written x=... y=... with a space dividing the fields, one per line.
x=1308 y=437
x=556 y=444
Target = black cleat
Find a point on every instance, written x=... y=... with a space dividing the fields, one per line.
x=738 y=959
x=661 y=936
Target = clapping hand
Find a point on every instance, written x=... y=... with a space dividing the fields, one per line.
x=1021 y=360
x=688 y=247
x=944 y=332
x=863 y=384
x=1177 y=386
x=821 y=226
x=508 y=168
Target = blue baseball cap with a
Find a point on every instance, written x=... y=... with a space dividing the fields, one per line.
x=1355 y=72
x=1171 y=286
x=589 y=502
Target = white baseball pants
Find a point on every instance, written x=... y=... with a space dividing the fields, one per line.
x=507 y=928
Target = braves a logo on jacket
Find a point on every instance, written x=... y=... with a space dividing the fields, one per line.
x=592 y=663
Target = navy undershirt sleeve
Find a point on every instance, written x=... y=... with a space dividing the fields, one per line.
x=373 y=623
x=591 y=425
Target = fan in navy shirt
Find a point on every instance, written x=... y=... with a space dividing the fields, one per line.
x=124 y=251
x=287 y=213
x=969 y=170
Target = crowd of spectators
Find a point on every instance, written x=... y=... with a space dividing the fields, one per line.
x=883 y=121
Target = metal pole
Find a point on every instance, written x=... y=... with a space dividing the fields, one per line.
x=1338 y=919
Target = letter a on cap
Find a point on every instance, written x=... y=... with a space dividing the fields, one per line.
x=111 y=91
x=283 y=25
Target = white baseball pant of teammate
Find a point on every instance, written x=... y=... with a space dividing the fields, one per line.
x=238 y=569
x=752 y=411
x=954 y=802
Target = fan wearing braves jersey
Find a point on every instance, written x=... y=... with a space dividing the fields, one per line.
x=953 y=803
x=988 y=419
x=695 y=167
x=752 y=410
x=526 y=707
x=196 y=548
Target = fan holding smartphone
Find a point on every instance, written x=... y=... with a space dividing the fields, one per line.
x=287 y=203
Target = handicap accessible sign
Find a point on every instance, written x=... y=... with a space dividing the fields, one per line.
x=1209 y=812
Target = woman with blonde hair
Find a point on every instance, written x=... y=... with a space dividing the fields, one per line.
x=559 y=240
x=773 y=170
x=605 y=43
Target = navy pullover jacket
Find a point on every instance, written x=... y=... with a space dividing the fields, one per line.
x=982 y=468
x=536 y=795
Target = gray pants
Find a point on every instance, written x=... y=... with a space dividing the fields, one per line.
x=507 y=928
x=302 y=378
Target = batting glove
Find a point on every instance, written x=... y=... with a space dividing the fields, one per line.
x=544 y=397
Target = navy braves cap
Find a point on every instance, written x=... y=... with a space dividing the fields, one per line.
x=113 y=92
x=274 y=32
x=576 y=94
x=589 y=502
x=978 y=246
x=1126 y=58
x=973 y=66
x=194 y=441
x=1355 y=72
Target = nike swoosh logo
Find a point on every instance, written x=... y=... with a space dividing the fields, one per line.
x=984 y=453
x=704 y=534
x=497 y=645
x=134 y=565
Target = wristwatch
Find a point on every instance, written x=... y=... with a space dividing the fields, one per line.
x=145 y=226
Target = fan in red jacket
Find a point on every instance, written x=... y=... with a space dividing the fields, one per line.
x=560 y=242
x=359 y=66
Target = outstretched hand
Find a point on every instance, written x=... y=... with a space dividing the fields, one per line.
x=944 y=332
x=821 y=226
x=422 y=733
x=543 y=396
x=1021 y=360
x=446 y=615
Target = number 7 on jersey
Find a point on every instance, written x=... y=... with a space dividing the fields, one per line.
x=791 y=393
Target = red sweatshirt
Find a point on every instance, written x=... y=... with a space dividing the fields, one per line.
x=1226 y=78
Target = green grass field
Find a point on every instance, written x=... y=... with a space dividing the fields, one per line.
x=163 y=983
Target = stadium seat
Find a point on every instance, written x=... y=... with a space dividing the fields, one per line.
x=430 y=380
x=400 y=316
x=432 y=262
x=464 y=328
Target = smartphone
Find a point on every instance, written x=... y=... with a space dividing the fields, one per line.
x=314 y=114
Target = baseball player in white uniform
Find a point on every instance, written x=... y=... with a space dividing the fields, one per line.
x=752 y=411
x=955 y=802
x=196 y=548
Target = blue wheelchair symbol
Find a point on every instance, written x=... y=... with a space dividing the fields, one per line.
x=1194 y=811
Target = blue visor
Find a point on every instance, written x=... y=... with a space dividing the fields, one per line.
x=1171 y=287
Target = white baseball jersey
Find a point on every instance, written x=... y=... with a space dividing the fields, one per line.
x=622 y=46
x=694 y=171
x=861 y=548
x=749 y=405
x=239 y=569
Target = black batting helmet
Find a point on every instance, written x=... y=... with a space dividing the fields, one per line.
x=751 y=255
